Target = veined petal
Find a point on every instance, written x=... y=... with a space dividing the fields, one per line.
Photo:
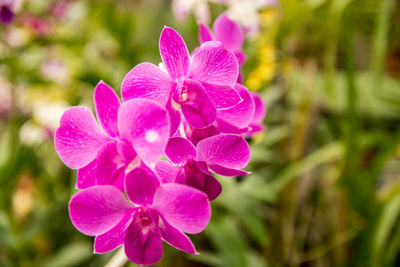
x=179 y=150
x=146 y=125
x=78 y=138
x=126 y=151
x=196 y=135
x=214 y=64
x=185 y=208
x=226 y=171
x=143 y=243
x=227 y=150
x=174 y=116
x=223 y=96
x=113 y=238
x=198 y=108
x=141 y=184
x=174 y=53
x=110 y=166
x=97 y=209
x=201 y=180
x=86 y=176
x=240 y=115
x=147 y=81
x=228 y=32
x=107 y=104
x=166 y=171
x=205 y=33
x=175 y=238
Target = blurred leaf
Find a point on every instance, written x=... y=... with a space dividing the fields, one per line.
x=72 y=254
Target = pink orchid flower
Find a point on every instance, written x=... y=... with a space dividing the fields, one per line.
x=223 y=154
x=245 y=118
x=197 y=86
x=155 y=213
x=135 y=130
x=226 y=31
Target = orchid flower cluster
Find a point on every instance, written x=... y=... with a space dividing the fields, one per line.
x=145 y=169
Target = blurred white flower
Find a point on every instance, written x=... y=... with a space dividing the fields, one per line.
x=55 y=70
x=31 y=134
x=245 y=12
x=47 y=114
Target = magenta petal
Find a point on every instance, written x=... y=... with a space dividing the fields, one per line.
x=240 y=115
x=175 y=238
x=107 y=104
x=196 y=135
x=228 y=32
x=179 y=150
x=78 y=138
x=97 y=209
x=143 y=244
x=202 y=180
x=141 y=184
x=241 y=58
x=213 y=63
x=205 y=33
x=146 y=125
x=147 y=81
x=166 y=171
x=260 y=108
x=198 y=109
x=175 y=118
x=86 y=176
x=174 y=53
x=227 y=150
x=185 y=208
x=126 y=151
x=113 y=238
x=226 y=171
x=110 y=166
x=224 y=97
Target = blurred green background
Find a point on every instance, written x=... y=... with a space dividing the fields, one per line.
x=325 y=182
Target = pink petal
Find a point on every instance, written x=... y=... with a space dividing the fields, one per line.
x=107 y=104
x=147 y=81
x=228 y=32
x=227 y=150
x=226 y=171
x=143 y=244
x=141 y=184
x=146 y=125
x=179 y=150
x=175 y=118
x=185 y=208
x=196 y=178
x=196 y=135
x=241 y=58
x=260 y=108
x=174 y=53
x=205 y=33
x=97 y=209
x=198 y=108
x=166 y=171
x=126 y=151
x=110 y=166
x=213 y=63
x=113 y=238
x=86 y=176
x=240 y=115
x=224 y=97
x=175 y=238
x=78 y=138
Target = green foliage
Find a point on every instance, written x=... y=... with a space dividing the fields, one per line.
x=324 y=184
